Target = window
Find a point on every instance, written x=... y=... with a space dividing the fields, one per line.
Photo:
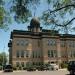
x=22 y=53
x=36 y=54
x=33 y=54
x=49 y=53
x=38 y=43
x=33 y=63
x=22 y=42
x=18 y=42
x=17 y=64
x=71 y=43
x=63 y=53
x=17 y=53
x=52 y=53
x=27 y=53
x=39 y=53
x=27 y=64
x=72 y=53
x=63 y=43
x=52 y=42
x=22 y=64
x=26 y=42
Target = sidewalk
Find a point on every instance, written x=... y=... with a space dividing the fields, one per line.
x=63 y=69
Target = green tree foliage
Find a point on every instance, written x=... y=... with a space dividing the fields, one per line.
x=1 y=13
x=22 y=9
x=56 y=15
x=4 y=16
x=60 y=14
x=3 y=58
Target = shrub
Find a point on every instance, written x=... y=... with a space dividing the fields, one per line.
x=19 y=68
x=1 y=67
x=14 y=68
x=64 y=65
x=24 y=68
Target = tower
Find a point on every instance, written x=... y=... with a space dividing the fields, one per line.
x=34 y=25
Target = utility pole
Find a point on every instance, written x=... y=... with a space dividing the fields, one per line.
x=3 y=57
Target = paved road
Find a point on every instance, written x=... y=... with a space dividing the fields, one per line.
x=60 y=72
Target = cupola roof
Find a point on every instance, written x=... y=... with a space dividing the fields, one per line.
x=35 y=22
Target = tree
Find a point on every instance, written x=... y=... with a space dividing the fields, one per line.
x=1 y=13
x=3 y=58
x=55 y=16
x=22 y=9
x=60 y=14
x=4 y=16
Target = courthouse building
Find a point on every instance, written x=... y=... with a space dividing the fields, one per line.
x=38 y=46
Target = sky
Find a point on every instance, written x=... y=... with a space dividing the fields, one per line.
x=5 y=35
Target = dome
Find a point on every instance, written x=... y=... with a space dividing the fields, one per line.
x=35 y=22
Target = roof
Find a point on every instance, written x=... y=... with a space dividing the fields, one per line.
x=35 y=22
x=44 y=32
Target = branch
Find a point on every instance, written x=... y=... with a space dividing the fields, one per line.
x=64 y=24
x=72 y=5
x=70 y=21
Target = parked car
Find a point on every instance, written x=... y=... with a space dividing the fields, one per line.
x=31 y=69
x=41 y=68
x=71 y=67
x=53 y=67
x=8 y=68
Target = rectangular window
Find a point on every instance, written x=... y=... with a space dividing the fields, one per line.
x=62 y=43
x=39 y=54
x=38 y=43
x=22 y=43
x=52 y=42
x=27 y=53
x=22 y=53
x=71 y=43
x=22 y=64
x=17 y=64
x=17 y=53
x=33 y=54
x=55 y=53
x=71 y=53
x=63 y=53
x=74 y=53
x=49 y=53
x=17 y=43
x=52 y=53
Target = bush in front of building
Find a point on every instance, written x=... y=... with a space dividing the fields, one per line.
x=19 y=68
x=1 y=67
x=64 y=65
x=24 y=68
x=14 y=68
